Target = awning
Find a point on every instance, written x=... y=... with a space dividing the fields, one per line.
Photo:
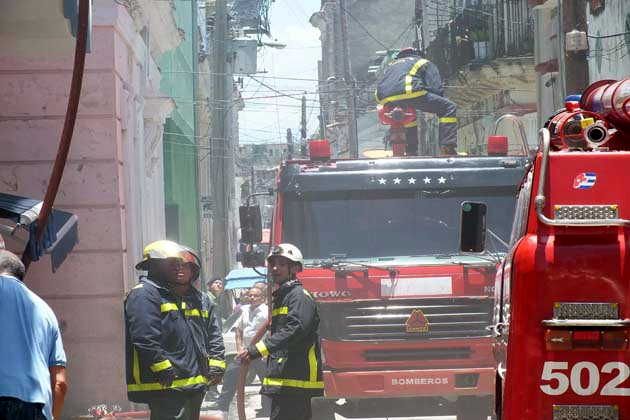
x=244 y=277
x=60 y=236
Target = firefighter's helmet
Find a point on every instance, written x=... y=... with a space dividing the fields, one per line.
x=160 y=250
x=288 y=251
x=409 y=52
x=190 y=256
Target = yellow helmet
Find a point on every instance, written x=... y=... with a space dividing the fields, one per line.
x=160 y=250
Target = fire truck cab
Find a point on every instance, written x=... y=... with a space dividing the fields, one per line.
x=404 y=313
x=561 y=317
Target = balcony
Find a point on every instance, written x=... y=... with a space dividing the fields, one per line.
x=478 y=34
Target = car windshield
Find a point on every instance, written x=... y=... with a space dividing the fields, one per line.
x=376 y=224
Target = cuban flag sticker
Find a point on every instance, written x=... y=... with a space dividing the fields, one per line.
x=584 y=181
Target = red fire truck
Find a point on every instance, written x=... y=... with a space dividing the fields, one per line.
x=403 y=312
x=562 y=293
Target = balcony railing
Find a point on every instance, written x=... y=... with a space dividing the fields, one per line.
x=475 y=35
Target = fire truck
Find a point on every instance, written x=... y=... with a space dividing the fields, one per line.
x=561 y=317
x=404 y=313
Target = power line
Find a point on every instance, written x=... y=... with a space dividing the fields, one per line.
x=274 y=89
x=363 y=27
x=608 y=36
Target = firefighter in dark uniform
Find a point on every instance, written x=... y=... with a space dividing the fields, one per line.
x=294 y=373
x=174 y=347
x=412 y=80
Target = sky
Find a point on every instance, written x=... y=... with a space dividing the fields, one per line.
x=265 y=120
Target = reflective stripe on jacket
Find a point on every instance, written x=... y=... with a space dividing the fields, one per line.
x=294 y=357
x=166 y=331
x=408 y=78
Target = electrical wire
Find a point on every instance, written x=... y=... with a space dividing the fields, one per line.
x=362 y=27
x=275 y=89
x=608 y=36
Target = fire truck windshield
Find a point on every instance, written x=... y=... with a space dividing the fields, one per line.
x=380 y=223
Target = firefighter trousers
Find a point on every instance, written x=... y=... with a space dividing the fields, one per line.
x=290 y=407
x=177 y=406
x=444 y=109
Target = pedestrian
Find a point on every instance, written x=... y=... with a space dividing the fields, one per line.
x=412 y=80
x=33 y=382
x=220 y=297
x=262 y=286
x=174 y=347
x=253 y=317
x=294 y=373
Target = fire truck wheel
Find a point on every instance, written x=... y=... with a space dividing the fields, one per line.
x=473 y=408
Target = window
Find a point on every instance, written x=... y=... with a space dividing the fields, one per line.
x=373 y=224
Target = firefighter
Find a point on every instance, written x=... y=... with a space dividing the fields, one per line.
x=294 y=372
x=174 y=348
x=412 y=80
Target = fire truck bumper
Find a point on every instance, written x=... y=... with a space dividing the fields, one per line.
x=397 y=383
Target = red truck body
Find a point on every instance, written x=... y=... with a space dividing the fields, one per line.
x=562 y=293
x=403 y=312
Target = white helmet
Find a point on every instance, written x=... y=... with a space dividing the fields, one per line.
x=288 y=251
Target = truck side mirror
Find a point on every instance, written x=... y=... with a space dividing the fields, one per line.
x=251 y=224
x=472 y=237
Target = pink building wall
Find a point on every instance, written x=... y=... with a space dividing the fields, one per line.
x=114 y=159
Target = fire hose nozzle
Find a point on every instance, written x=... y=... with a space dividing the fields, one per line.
x=596 y=135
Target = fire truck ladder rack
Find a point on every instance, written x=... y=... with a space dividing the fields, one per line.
x=545 y=141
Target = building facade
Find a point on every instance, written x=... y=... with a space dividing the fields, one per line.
x=132 y=174
x=483 y=48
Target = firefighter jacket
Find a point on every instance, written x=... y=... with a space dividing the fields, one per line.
x=408 y=78
x=292 y=350
x=166 y=331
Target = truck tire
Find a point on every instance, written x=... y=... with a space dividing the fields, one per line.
x=474 y=408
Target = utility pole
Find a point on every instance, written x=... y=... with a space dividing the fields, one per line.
x=322 y=125
x=220 y=143
x=417 y=19
x=303 y=127
x=289 y=144
x=576 y=77
x=252 y=180
x=351 y=100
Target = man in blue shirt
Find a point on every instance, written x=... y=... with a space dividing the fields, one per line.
x=32 y=368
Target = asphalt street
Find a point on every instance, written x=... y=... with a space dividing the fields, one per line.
x=253 y=402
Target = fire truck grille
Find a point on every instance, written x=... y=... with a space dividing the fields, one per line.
x=581 y=412
x=586 y=212
x=390 y=355
x=382 y=321
x=585 y=310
